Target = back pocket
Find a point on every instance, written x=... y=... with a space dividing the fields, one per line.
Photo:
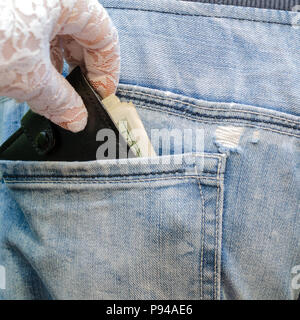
x=120 y=229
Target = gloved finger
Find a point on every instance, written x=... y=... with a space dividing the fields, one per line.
x=59 y=102
x=72 y=52
x=98 y=37
x=56 y=54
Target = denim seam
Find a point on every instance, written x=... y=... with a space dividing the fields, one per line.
x=62 y=177
x=218 y=235
x=202 y=235
x=203 y=15
x=223 y=117
x=194 y=154
x=226 y=120
x=141 y=94
x=61 y=181
x=218 y=217
x=121 y=175
x=102 y=176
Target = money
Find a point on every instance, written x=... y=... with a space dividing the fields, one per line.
x=130 y=125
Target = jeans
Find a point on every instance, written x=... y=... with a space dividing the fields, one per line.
x=219 y=222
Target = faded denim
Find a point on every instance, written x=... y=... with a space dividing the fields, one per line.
x=222 y=224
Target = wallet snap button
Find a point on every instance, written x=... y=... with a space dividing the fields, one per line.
x=42 y=141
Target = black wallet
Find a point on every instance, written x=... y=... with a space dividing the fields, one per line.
x=38 y=139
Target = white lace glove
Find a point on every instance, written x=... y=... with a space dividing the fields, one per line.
x=35 y=35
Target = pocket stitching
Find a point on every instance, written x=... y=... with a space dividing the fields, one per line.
x=206 y=108
x=75 y=181
x=219 y=212
x=221 y=122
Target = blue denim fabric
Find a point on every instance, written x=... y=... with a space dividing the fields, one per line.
x=266 y=4
x=222 y=224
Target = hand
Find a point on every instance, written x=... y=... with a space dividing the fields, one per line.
x=35 y=35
